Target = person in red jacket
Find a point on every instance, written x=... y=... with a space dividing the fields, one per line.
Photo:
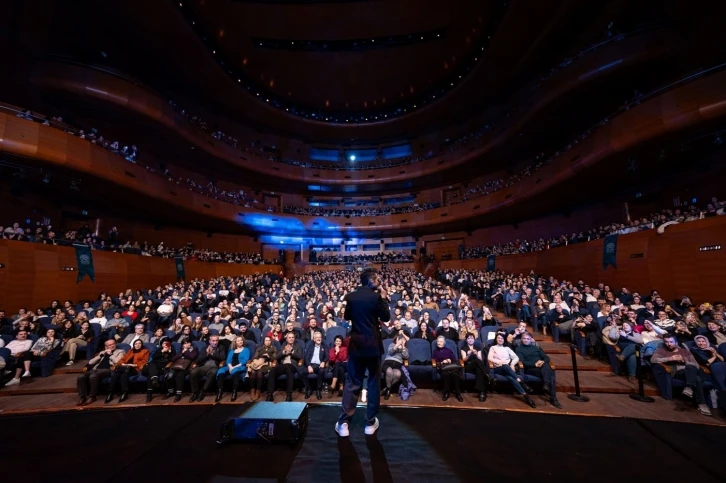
x=338 y=363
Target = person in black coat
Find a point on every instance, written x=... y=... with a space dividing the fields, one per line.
x=288 y=359
x=315 y=361
x=366 y=308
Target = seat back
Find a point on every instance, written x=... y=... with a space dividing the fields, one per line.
x=332 y=332
x=251 y=346
x=150 y=347
x=433 y=313
x=201 y=346
x=419 y=352
x=257 y=333
x=124 y=347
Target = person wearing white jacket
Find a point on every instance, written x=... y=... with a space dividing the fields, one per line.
x=504 y=361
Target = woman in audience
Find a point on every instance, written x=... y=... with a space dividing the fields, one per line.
x=197 y=324
x=329 y=321
x=627 y=340
x=275 y=333
x=204 y=334
x=40 y=349
x=236 y=365
x=504 y=361
x=228 y=336
x=704 y=353
x=260 y=365
x=158 y=337
x=158 y=362
x=337 y=364
x=539 y=315
x=692 y=321
x=131 y=363
x=180 y=365
x=468 y=327
x=148 y=317
x=80 y=338
x=424 y=332
x=393 y=363
x=68 y=331
x=100 y=319
x=448 y=369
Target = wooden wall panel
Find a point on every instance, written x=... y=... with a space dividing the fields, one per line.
x=33 y=274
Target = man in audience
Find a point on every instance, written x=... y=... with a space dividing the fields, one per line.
x=315 y=361
x=138 y=334
x=446 y=330
x=537 y=363
x=207 y=364
x=98 y=368
x=288 y=357
x=311 y=330
x=682 y=365
x=18 y=347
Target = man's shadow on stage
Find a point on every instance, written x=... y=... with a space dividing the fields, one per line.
x=351 y=469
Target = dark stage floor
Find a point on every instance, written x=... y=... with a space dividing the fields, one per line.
x=414 y=444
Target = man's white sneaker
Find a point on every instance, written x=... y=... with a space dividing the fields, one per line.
x=13 y=382
x=364 y=395
x=26 y=374
x=372 y=428
x=70 y=363
x=342 y=430
x=703 y=409
x=688 y=392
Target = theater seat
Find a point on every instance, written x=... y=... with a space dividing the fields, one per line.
x=419 y=359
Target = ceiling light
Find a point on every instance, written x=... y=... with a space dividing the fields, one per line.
x=352 y=156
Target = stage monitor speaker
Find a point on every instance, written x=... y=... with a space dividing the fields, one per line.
x=284 y=422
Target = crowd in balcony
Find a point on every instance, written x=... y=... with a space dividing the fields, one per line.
x=363 y=211
x=43 y=232
x=662 y=219
x=327 y=258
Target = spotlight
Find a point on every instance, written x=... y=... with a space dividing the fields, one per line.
x=352 y=157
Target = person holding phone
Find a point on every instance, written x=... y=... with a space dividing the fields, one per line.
x=366 y=308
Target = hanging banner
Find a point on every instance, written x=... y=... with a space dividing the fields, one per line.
x=491 y=262
x=84 y=261
x=179 y=262
x=609 y=251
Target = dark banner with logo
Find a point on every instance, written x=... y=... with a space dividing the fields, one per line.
x=610 y=251
x=84 y=260
x=491 y=262
x=179 y=262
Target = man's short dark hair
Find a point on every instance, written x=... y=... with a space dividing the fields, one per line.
x=367 y=274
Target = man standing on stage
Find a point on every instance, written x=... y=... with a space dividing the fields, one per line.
x=365 y=307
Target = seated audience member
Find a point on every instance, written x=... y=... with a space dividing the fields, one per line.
x=315 y=359
x=448 y=369
x=158 y=337
x=311 y=329
x=704 y=353
x=131 y=364
x=337 y=364
x=539 y=315
x=138 y=334
x=288 y=358
x=652 y=337
x=424 y=332
x=260 y=365
x=504 y=362
x=399 y=329
x=275 y=333
x=158 y=362
x=585 y=335
x=447 y=330
x=216 y=325
x=184 y=335
x=471 y=354
x=40 y=349
x=290 y=329
x=692 y=321
x=627 y=341
x=100 y=319
x=20 y=345
x=68 y=331
x=82 y=338
x=227 y=336
x=715 y=335
x=131 y=312
x=206 y=365
x=559 y=320
x=683 y=333
x=468 y=327
x=662 y=321
x=149 y=318
x=393 y=363
x=488 y=320
x=236 y=365
x=537 y=364
x=180 y=365
x=514 y=338
x=115 y=327
x=682 y=365
x=99 y=367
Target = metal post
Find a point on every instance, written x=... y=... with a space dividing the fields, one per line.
x=639 y=374
x=577 y=396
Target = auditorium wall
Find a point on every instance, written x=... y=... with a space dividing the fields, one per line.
x=671 y=263
x=33 y=274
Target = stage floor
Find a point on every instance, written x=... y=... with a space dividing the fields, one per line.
x=162 y=443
